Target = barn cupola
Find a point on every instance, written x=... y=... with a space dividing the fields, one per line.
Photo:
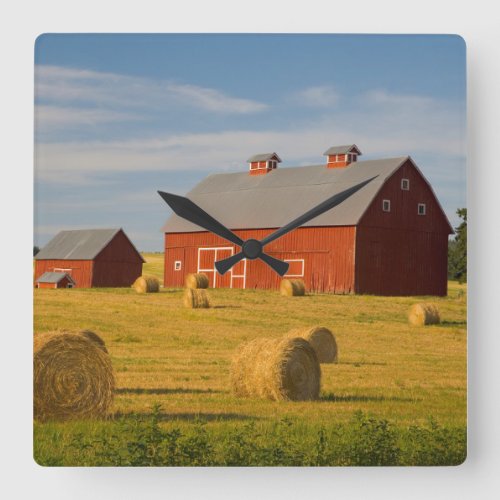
x=342 y=156
x=263 y=163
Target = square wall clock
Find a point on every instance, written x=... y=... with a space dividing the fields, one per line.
x=250 y=250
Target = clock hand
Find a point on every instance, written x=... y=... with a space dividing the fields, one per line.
x=224 y=265
x=315 y=212
x=188 y=210
x=257 y=246
x=279 y=266
x=251 y=249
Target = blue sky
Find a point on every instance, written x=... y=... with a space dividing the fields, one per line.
x=118 y=117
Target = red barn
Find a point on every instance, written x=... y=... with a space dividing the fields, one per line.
x=55 y=280
x=389 y=238
x=91 y=257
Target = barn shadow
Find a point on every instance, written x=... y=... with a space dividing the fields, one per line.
x=351 y=398
x=159 y=391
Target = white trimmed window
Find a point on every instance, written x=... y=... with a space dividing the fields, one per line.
x=405 y=184
x=386 y=205
x=421 y=209
x=177 y=265
x=271 y=164
x=295 y=269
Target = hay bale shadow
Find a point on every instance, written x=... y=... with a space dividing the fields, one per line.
x=351 y=398
x=189 y=417
x=160 y=391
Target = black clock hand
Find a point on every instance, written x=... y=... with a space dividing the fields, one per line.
x=251 y=249
x=315 y=212
x=188 y=210
x=226 y=264
x=279 y=266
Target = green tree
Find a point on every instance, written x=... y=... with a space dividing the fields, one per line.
x=457 y=250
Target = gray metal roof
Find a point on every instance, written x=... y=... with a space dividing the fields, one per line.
x=341 y=150
x=49 y=277
x=263 y=157
x=82 y=244
x=243 y=201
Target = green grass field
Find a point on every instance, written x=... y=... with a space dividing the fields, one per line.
x=177 y=360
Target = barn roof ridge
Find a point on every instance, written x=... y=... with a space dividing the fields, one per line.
x=239 y=200
x=344 y=149
x=264 y=157
x=330 y=179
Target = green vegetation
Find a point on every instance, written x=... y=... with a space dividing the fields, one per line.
x=408 y=382
x=457 y=250
x=143 y=441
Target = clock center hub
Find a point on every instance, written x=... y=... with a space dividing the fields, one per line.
x=252 y=249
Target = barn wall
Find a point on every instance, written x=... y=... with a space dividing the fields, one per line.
x=401 y=262
x=45 y=285
x=115 y=274
x=403 y=214
x=400 y=252
x=63 y=283
x=80 y=270
x=118 y=264
x=328 y=254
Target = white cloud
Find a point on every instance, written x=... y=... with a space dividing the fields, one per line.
x=379 y=131
x=320 y=96
x=52 y=118
x=62 y=85
x=213 y=100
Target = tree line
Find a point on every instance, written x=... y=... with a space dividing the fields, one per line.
x=457 y=250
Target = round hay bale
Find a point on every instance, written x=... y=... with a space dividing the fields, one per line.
x=72 y=377
x=322 y=340
x=423 y=314
x=292 y=288
x=146 y=284
x=196 y=299
x=196 y=280
x=92 y=336
x=277 y=369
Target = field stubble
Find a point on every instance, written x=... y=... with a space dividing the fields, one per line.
x=165 y=354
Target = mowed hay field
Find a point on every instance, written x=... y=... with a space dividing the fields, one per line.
x=179 y=358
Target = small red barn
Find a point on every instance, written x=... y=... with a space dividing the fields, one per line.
x=389 y=238
x=91 y=257
x=55 y=280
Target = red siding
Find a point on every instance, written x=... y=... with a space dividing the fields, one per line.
x=63 y=283
x=118 y=264
x=79 y=270
x=394 y=253
x=399 y=262
x=403 y=214
x=340 y=161
x=327 y=252
x=46 y=285
x=400 y=252
x=259 y=168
